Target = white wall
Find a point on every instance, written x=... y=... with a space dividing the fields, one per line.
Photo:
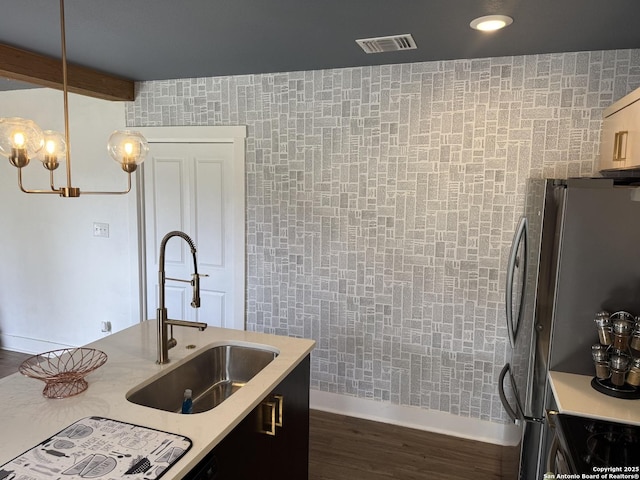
x=57 y=281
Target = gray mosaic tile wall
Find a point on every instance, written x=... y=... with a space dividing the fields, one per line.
x=382 y=200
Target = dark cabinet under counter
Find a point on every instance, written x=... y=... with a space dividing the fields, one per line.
x=272 y=442
x=592 y=446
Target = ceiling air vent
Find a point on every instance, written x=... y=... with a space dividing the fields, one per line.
x=393 y=43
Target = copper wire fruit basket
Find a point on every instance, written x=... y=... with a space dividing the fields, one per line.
x=63 y=370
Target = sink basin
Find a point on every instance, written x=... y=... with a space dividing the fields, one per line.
x=213 y=375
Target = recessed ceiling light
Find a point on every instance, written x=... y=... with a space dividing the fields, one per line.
x=491 y=23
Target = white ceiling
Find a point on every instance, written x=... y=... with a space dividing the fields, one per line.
x=162 y=39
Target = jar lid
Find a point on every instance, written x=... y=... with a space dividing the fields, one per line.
x=619 y=362
x=621 y=325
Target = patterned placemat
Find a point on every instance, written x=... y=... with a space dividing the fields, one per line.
x=97 y=447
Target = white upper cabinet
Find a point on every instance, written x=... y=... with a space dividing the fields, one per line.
x=620 y=140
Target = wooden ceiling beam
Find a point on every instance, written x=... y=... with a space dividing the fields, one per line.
x=26 y=66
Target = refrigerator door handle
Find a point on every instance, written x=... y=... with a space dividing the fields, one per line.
x=503 y=398
x=520 y=235
x=516 y=415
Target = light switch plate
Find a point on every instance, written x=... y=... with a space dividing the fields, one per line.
x=101 y=230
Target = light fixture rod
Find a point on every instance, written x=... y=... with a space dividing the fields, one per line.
x=65 y=93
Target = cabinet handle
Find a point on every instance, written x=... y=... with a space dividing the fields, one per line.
x=280 y=404
x=620 y=146
x=270 y=415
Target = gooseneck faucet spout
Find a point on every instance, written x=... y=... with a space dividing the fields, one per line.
x=164 y=341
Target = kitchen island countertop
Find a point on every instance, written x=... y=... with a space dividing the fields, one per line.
x=27 y=418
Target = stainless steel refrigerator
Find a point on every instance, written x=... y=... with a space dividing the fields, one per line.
x=576 y=252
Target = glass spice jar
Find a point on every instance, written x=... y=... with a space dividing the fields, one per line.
x=635 y=338
x=601 y=361
x=633 y=377
x=621 y=326
x=603 y=323
x=619 y=364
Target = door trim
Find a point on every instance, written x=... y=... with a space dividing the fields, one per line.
x=235 y=135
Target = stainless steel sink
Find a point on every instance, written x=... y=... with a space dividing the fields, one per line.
x=213 y=376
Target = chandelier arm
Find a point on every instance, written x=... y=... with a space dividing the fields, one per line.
x=26 y=190
x=113 y=193
x=51 y=182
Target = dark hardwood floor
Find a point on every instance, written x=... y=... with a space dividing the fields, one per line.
x=10 y=361
x=348 y=448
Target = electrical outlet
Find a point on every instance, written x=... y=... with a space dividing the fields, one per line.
x=101 y=230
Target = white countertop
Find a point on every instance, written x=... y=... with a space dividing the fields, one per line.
x=575 y=396
x=27 y=418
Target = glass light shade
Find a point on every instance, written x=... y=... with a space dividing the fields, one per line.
x=128 y=148
x=55 y=149
x=54 y=144
x=18 y=134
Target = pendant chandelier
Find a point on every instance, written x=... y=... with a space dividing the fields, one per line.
x=22 y=140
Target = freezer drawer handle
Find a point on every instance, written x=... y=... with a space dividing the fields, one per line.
x=519 y=416
x=521 y=234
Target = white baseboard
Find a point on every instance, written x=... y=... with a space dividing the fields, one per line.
x=28 y=345
x=414 y=417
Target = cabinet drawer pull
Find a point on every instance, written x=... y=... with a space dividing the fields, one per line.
x=620 y=146
x=270 y=415
x=279 y=399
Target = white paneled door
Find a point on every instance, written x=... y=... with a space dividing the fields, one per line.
x=197 y=188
